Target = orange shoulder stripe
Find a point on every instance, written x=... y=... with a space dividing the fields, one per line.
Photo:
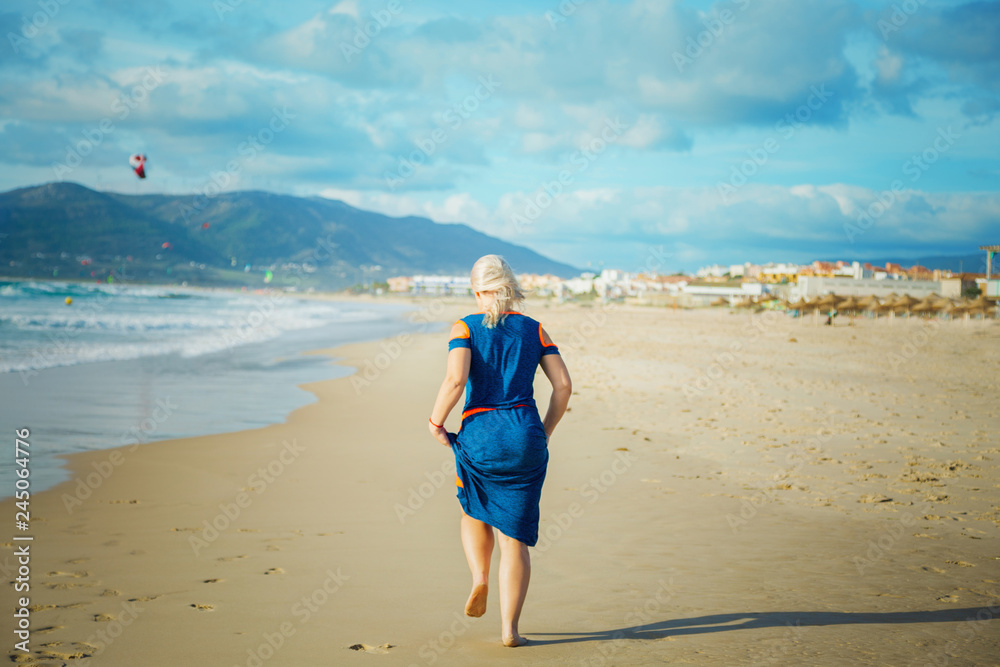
x=541 y=337
x=468 y=334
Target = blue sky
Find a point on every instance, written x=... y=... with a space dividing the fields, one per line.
x=598 y=132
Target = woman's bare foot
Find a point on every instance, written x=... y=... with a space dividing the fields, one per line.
x=514 y=640
x=476 y=606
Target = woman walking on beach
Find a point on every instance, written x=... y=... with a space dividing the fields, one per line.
x=501 y=450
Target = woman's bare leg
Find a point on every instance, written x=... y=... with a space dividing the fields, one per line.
x=477 y=540
x=515 y=572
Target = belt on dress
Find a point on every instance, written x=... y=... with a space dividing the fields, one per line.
x=469 y=413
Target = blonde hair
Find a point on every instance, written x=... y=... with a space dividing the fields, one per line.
x=492 y=273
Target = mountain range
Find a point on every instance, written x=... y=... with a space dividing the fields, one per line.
x=66 y=230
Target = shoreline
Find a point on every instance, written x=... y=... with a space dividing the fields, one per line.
x=337 y=527
x=101 y=404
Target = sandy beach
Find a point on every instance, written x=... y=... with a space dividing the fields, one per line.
x=727 y=489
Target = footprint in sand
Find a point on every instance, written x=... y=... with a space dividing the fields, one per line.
x=65 y=585
x=43 y=607
x=103 y=617
x=384 y=648
x=274 y=570
x=76 y=575
x=110 y=593
x=143 y=598
x=79 y=655
x=960 y=563
x=204 y=607
x=231 y=558
x=212 y=581
x=74 y=561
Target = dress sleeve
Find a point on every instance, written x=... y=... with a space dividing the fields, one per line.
x=460 y=336
x=548 y=347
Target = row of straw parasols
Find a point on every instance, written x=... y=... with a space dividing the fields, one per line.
x=896 y=305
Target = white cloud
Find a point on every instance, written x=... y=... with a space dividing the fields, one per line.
x=529 y=118
x=889 y=66
x=348 y=7
x=645 y=132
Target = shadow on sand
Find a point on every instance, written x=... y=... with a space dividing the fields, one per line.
x=773 y=619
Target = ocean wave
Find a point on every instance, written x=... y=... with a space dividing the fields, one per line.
x=40 y=333
x=55 y=288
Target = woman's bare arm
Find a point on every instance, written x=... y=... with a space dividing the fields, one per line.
x=456 y=375
x=562 y=388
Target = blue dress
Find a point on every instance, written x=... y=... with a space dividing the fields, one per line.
x=501 y=451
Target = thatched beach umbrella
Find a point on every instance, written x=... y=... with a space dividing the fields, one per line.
x=934 y=296
x=954 y=308
x=981 y=306
x=869 y=302
x=904 y=304
x=830 y=300
x=886 y=306
x=812 y=304
x=848 y=305
x=926 y=306
x=798 y=306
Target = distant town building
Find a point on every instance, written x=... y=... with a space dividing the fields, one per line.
x=954 y=287
x=714 y=271
x=778 y=273
x=400 y=284
x=812 y=286
x=442 y=285
x=540 y=285
x=581 y=285
x=747 y=271
x=703 y=292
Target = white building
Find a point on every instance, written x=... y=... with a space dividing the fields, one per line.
x=455 y=285
x=714 y=271
x=853 y=270
x=702 y=294
x=773 y=272
x=811 y=286
x=584 y=284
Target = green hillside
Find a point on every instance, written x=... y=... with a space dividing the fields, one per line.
x=68 y=231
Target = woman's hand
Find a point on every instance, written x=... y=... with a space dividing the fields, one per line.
x=440 y=433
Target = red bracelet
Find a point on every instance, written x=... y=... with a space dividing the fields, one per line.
x=433 y=424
